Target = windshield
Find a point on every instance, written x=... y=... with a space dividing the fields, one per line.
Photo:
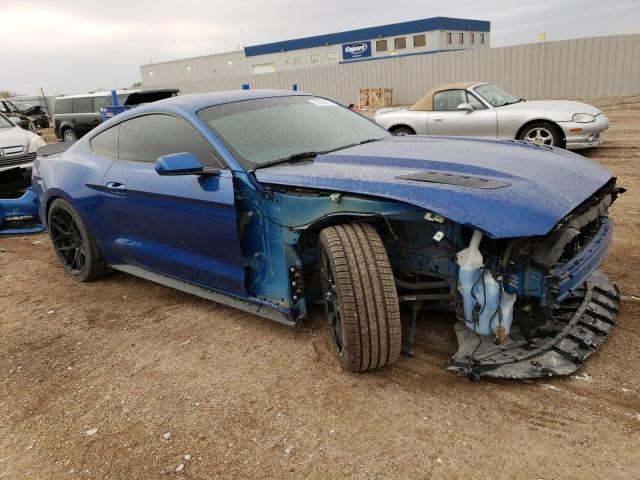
x=495 y=96
x=5 y=123
x=269 y=129
x=21 y=105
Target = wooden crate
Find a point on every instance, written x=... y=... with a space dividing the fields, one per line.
x=375 y=97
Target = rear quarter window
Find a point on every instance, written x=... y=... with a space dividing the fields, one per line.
x=106 y=143
x=63 y=105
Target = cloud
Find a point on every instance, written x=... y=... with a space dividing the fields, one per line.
x=80 y=45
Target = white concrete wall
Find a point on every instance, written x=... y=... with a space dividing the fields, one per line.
x=217 y=66
x=596 y=66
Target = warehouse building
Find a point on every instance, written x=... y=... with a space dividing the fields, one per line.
x=417 y=37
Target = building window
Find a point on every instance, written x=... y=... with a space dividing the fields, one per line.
x=482 y=38
x=400 y=43
x=264 y=68
x=332 y=57
x=298 y=61
x=460 y=38
x=472 y=39
x=419 y=40
x=314 y=59
x=449 y=38
x=381 y=45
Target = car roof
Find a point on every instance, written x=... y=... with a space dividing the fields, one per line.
x=198 y=101
x=425 y=104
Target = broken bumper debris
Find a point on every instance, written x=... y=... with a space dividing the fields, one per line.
x=576 y=328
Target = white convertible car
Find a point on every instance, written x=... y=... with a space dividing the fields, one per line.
x=474 y=109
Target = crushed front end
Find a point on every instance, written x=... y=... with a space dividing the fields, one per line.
x=527 y=307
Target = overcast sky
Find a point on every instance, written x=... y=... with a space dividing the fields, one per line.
x=70 y=46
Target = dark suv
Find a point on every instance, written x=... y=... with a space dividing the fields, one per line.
x=75 y=115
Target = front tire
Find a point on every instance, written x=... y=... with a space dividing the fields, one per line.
x=400 y=131
x=542 y=133
x=75 y=247
x=360 y=296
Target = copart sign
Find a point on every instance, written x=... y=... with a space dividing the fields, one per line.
x=356 y=50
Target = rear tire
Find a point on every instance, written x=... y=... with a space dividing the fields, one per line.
x=69 y=136
x=360 y=296
x=400 y=131
x=75 y=247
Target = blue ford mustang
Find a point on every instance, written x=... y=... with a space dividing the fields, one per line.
x=271 y=201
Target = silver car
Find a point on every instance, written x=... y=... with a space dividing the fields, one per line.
x=17 y=146
x=475 y=109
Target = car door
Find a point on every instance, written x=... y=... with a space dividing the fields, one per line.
x=183 y=226
x=446 y=119
x=84 y=119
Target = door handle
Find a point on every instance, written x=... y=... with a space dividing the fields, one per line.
x=116 y=187
x=438 y=119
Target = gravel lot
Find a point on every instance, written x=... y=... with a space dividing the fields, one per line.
x=121 y=379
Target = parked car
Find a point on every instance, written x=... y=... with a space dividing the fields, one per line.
x=18 y=117
x=76 y=115
x=17 y=152
x=271 y=201
x=35 y=112
x=484 y=110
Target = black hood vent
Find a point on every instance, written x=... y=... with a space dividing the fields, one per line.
x=454 y=179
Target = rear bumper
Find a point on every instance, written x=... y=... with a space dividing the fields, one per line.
x=584 y=135
x=20 y=216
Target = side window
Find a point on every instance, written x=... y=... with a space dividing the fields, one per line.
x=84 y=105
x=474 y=102
x=106 y=143
x=448 y=100
x=63 y=105
x=145 y=138
x=101 y=102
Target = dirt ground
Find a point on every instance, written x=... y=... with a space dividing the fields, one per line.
x=121 y=379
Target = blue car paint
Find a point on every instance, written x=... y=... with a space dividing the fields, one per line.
x=178 y=164
x=545 y=183
x=577 y=270
x=27 y=205
x=183 y=225
x=236 y=234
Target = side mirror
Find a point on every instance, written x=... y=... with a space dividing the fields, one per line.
x=465 y=107
x=183 y=163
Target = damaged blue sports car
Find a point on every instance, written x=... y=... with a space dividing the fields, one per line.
x=271 y=201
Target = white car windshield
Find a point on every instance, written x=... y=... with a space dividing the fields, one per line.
x=495 y=96
x=5 y=123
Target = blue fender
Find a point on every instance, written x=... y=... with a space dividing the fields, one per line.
x=20 y=216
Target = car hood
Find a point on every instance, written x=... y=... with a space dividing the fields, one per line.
x=14 y=136
x=559 y=110
x=503 y=188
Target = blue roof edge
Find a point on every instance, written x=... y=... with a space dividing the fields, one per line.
x=369 y=33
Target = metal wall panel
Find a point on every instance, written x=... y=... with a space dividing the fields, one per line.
x=596 y=66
